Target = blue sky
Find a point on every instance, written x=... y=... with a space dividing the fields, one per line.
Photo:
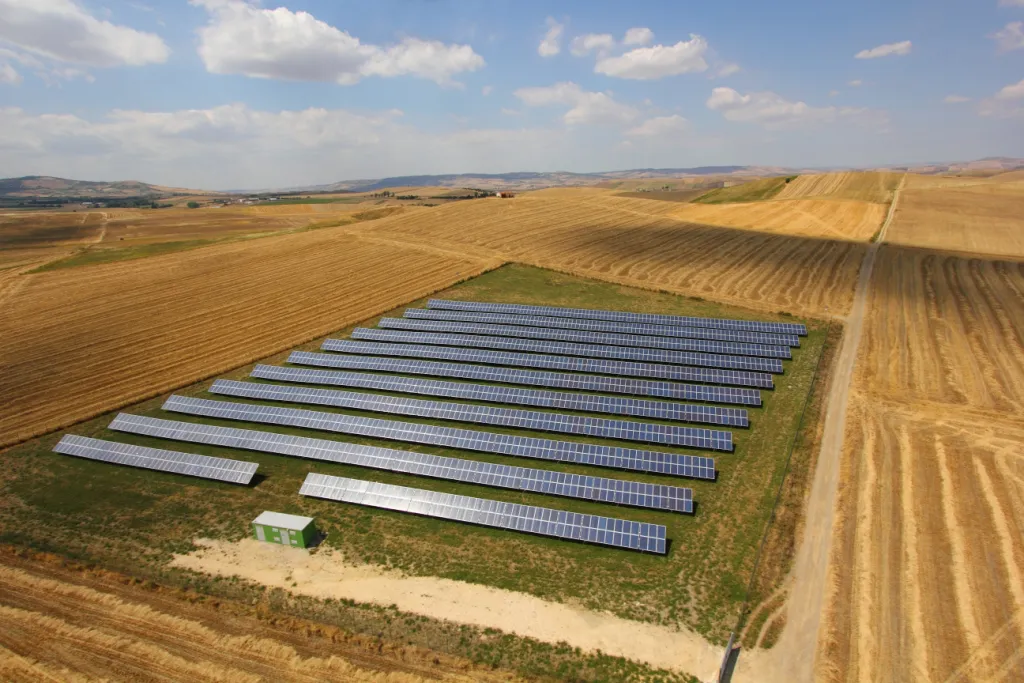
x=236 y=93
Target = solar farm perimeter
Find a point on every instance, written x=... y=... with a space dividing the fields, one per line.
x=710 y=516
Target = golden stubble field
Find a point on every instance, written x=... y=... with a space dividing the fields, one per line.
x=928 y=553
x=636 y=242
x=980 y=216
x=98 y=626
x=81 y=341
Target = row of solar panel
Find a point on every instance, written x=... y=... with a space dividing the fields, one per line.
x=589 y=351
x=661 y=410
x=600 y=489
x=527 y=518
x=189 y=464
x=504 y=417
x=612 y=385
x=530 y=360
x=709 y=333
x=619 y=533
x=486 y=442
x=513 y=329
x=620 y=316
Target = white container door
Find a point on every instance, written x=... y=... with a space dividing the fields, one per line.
x=259 y=533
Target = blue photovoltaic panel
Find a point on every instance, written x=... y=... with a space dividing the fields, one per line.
x=466 y=439
x=630 y=353
x=588 y=403
x=621 y=316
x=619 y=533
x=598 y=427
x=189 y=464
x=679 y=373
x=612 y=385
x=598 y=489
x=520 y=331
x=709 y=333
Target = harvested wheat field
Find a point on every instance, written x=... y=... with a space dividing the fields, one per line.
x=625 y=240
x=986 y=217
x=870 y=186
x=81 y=341
x=97 y=631
x=928 y=554
x=841 y=220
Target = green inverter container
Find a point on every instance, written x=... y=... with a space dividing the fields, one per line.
x=277 y=527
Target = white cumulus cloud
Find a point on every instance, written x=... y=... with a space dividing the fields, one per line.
x=856 y=83
x=657 y=61
x=48 y=34
x=8 y=75
x=1008 y=102
x=1011 y=37
x=591 y=42
x=956 y=99
x=551 y=43
x=902 y=48
x=727 y=70
x=306 y=146
x=486 y=90
x=241 y=38
x=584 y=107
x=638 y=36
x=660 y=126
x=773 y=111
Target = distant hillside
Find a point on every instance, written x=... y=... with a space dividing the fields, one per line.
x=49 y=187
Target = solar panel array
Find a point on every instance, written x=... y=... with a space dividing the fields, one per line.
x=189 y=464
x=620 y=316
x=518 y=330
x=660 y=410
x=613 y=385
x=569 y=349
x=485 y=442
x=531 y=519
x=600 y=489
x=529 y=360
x=710 y=333
x=599 y=427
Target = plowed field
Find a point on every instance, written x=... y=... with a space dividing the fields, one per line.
x=928 y=558
x=634 y=242
x=860 y=186
x=82 y=341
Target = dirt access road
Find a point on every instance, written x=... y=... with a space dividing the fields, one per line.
x=792 y=658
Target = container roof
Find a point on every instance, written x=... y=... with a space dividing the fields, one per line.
x=280 y=519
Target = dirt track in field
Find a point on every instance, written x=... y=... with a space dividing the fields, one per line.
x=94 y=631
x=927 y=570
x=327 y=575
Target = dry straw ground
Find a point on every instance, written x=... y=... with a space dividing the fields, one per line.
x=636 y=242
x=928 y=553
x=81 y=341
x=865 y=187
x=96 y=631
x=968 y=215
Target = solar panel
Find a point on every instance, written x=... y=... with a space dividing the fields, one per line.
x=530 y=360
x=600 y=489
x=484 y=442
x=588 y=403
x=189 y=464
x=619 y=533
x=598 y=427
x=518 y=330
x=621 y=316
x=595 y=351
x=710 y=333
